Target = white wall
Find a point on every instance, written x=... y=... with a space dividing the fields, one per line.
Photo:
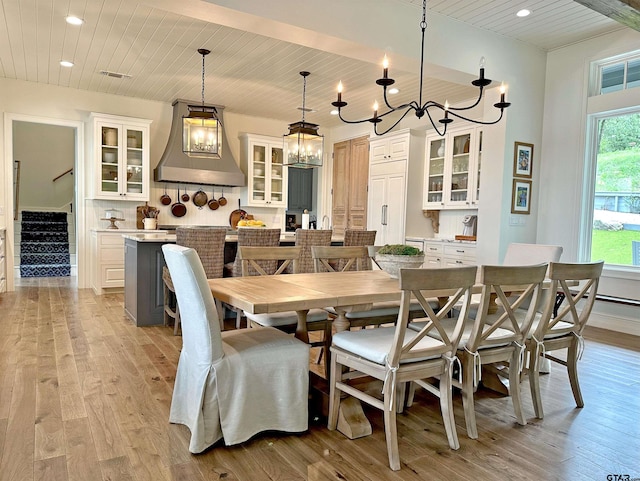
x=44 y=152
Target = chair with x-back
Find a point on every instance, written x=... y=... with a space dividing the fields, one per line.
x=564 y=331
x=278 y=260
x=396 y=355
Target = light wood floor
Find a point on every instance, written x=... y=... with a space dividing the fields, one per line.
x=85 y=396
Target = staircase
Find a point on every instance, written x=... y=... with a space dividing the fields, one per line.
x=44 y=245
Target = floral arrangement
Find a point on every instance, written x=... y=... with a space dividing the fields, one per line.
x=400 y=250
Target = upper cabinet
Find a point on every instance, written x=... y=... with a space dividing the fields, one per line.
x=396 y=147
x=120 y=158
x=452 y=170
x=262 y=160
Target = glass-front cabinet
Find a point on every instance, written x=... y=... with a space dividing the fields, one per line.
x=263 y=162
x=452 y=171
x=121 y=146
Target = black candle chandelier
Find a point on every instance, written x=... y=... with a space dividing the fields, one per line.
x=419 y=107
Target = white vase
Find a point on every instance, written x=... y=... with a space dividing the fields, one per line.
x=392 y=264
x=441 y=149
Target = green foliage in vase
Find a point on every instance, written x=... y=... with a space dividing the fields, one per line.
x=400 y=250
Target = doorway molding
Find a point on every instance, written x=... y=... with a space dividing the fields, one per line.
x=79 y=207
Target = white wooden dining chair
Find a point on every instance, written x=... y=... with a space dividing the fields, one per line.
x=496 y=340
x=564 y=331
x=396 y=355
x=232 y=384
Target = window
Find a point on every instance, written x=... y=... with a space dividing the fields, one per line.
x=618 y=75
x=611 y=227
x=616 y=201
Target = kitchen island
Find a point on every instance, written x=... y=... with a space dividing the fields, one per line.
x=143 y=263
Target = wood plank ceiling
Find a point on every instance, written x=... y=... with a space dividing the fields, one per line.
x=251 y=74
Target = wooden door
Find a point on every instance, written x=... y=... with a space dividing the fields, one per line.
x=349 y=187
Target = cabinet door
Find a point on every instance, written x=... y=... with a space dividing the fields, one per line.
x=434 y=173
x=460 y=163
x=349 y=185
x=257 y=173
x=133 y=160
x=474 y=185
x=276 y=177
x=395 y=209
x=109 y=155
x=377 y=204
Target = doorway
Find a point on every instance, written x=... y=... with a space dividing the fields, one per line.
x=15 y=127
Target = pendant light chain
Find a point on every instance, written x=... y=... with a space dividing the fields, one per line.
x=304 y=96
x=203 y=55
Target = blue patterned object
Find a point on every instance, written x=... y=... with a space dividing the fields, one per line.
x=44 y=246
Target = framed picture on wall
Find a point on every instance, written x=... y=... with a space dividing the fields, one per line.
x=521 y=197
x=523 y=160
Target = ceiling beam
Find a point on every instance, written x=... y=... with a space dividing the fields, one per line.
x=626 y=12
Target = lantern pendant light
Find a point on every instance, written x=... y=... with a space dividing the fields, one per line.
x=303 y=146
x=201 y=129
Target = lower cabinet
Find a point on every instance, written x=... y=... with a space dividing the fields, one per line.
x=143 y=290
x=449 y=254
x=107 y=271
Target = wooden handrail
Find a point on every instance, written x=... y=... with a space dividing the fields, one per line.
x=70 y=171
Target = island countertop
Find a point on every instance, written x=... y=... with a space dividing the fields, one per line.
x=164 y=237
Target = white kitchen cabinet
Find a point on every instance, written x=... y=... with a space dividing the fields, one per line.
x=395 y=147
x=440 y=253
x=458 y=254
x=120 y=158
x=267 y=177
x=387 y=198
x=452 y=170
x=433 y=254
x=107 y=260
x=392 y=159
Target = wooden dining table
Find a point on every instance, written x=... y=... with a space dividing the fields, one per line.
x=344 y=291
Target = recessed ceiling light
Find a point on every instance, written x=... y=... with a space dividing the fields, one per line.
x=394 y=91
x=523 y=13
x=334 y=112
x=66 y=63
x=74 y=20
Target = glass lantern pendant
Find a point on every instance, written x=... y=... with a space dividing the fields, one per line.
x=201 y=135
x=303 y=145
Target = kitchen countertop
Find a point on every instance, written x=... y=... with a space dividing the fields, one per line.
x=443 y=241
x=163 y=236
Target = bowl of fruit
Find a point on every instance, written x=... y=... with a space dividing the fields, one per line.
x=250 y=223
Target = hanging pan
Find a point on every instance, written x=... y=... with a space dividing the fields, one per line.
x=213 y=203
x=164 y=198
x=178 y=209
x=185 y=196
x=222 y=200
x=200 y=198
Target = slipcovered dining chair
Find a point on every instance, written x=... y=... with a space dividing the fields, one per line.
x=564 y=331
x=209 y=243
x=231 y=384
x=396 y=355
